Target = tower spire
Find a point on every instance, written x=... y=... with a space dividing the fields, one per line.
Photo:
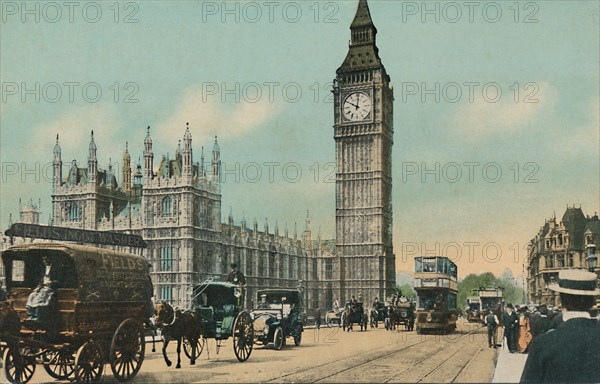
x=363 y=53
x=92 y=160
x=148 y=157
x=363 y=15
x=57 y=165
x=126 y=171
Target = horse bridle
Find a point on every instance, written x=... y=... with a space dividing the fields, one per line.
x=174 y=317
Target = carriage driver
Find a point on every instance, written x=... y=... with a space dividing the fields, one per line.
x=263 y=302
x=376 y=304
x=236 y=276
x=42 y=297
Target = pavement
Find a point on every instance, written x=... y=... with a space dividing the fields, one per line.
x=509 y=366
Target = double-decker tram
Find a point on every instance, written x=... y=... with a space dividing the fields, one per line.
x=436 y=286
x=491 y=301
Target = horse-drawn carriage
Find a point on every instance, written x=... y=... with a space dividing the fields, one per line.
x=279 y=315
x=354 y=313
x=219 y=306
x=97 y=307
x=402 y=313
x=334 y=318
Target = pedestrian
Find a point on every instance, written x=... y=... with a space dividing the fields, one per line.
x=510 y=322
x=491 y=320
x=318 y=318
x=524 y=337
x=569 y=353
x=534 y=317
x=3 y=297
x=336 y=305
x=542 y=325
x=556 y=318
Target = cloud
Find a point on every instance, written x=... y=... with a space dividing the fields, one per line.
x=208 y=118
x=483 y=118
x=585 y=137
x=74 y=127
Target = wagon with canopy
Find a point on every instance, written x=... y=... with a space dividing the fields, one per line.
x=93 y=315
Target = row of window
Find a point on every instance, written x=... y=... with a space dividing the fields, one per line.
x=166 y=264
x=202 y=214
x=557 y=240
x=560 y=261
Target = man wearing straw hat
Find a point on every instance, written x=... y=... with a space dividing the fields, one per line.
x=570 y=353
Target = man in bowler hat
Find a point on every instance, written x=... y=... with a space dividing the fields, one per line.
x=510 y=322
x=236 y=276
x=569 y=353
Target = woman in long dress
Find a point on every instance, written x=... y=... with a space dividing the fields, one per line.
x=525 y=336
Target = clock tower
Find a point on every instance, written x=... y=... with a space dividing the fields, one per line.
x=363 y=99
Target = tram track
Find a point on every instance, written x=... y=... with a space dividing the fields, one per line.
x=469 y=362
x=366 y=357
x=444 y=361
x=335 y=362
x=429 y=356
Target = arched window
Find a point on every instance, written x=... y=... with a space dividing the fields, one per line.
x=166 y=293
x=166 y=259
x=74 y=212
x=167 y=204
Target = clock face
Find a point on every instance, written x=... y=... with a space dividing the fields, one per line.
x=357 y=106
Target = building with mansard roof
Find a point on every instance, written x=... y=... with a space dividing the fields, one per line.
x=176 y=207
x=559 y=245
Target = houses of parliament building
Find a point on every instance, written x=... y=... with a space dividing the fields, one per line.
x=174 y=204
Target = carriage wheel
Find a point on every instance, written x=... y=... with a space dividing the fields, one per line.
x=298 y=336
x=127 y=350
x=17 y=368
x=187 y=347
x=59 y=364
x=243 y=336
x=278 y=339
x=89 y=363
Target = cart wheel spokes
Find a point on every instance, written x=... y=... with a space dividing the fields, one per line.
x=89 y=363
x=127 y=350
x=278 y=339
x=59 y=364
x=17 y=368
x=243 y=336
x=187 y=347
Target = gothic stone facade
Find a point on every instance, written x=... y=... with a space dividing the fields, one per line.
x=557 y=246
x=177 y=210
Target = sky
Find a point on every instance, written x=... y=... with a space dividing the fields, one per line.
x=496 y=112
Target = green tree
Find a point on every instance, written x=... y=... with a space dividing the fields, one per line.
x=512 y=293
x=471 y=284
x=407 y=290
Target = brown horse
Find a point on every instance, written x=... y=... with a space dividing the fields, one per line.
x=9 y=321
x=176 y=325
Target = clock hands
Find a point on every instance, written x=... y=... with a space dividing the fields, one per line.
x=354 y=105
